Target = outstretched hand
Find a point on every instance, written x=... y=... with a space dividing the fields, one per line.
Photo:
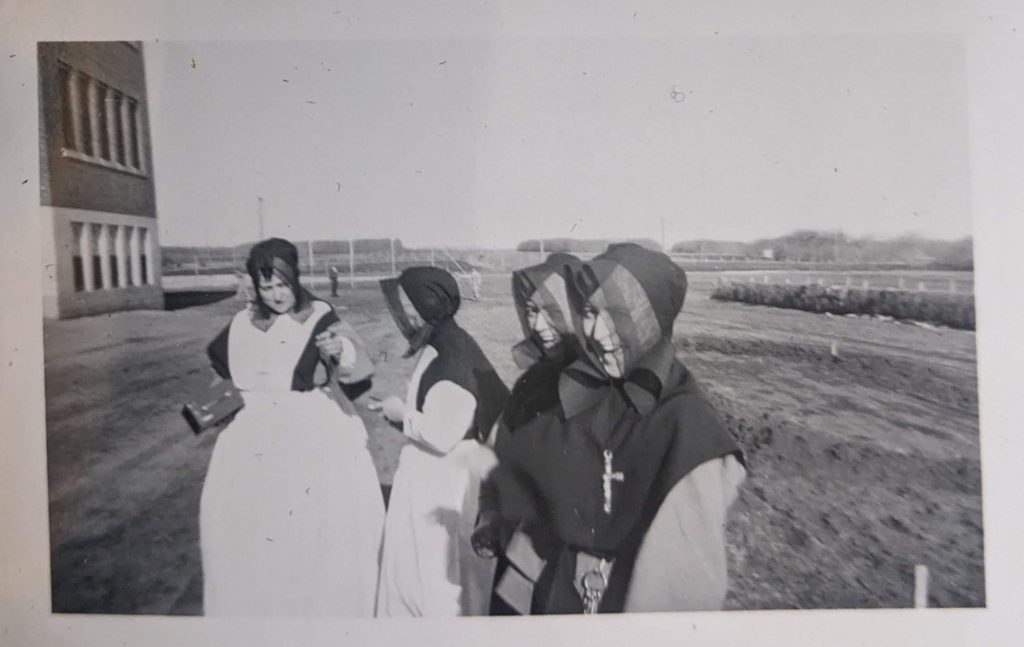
x=393 y=409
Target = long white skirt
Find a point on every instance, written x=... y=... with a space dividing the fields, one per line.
x=291 y=516
x=429 y=567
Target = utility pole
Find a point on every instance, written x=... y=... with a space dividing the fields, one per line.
x=312 y=266
x=259 y=212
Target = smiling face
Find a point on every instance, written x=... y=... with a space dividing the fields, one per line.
x=603 y=339
x=276 y=294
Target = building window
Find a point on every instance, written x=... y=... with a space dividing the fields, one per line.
x=101 y=124
x=129 y=112
x=99 y=117
x=145 y=256
x=77 y=269
x=97 y=258
x=64 y=81
x=83 y=141
x=110 y=233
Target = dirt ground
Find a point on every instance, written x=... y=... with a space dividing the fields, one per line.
x=861 y=465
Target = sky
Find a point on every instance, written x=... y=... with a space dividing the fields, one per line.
x=488 y=142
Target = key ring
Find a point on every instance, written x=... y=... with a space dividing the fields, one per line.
x=594 y=582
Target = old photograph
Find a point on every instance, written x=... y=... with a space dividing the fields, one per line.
x=493 y=327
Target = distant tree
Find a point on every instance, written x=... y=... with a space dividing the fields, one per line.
x=581 y=245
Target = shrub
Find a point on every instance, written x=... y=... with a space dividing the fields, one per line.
x=948 y=309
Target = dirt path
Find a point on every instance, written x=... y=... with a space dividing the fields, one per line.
x=860 y=467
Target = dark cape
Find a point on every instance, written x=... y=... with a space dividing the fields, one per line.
x=550 y=481
x=656 y=422
x=461 y=361
x=536 y=390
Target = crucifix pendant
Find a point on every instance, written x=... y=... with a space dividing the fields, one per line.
x=606 y=480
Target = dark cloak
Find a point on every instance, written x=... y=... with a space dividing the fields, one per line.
x=536 y=390
x=435 y=295
x=657 y=422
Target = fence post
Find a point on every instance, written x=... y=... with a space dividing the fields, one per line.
x=351 y=264
x=865 y=284
x=391 y=242
x=920 y=586
x=849 y=281
x=901 y=284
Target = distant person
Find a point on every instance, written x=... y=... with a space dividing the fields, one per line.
x=549 y=345
x=332 y=275
x=621 y=498
x=452 y=400
x=476 y=281
x=291 y=514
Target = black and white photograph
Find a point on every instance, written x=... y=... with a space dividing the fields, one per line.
x=447 y=326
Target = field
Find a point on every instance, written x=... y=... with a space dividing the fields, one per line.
x=861 y=465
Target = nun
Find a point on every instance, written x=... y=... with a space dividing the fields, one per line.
x=620 y=492
x=549 y=345
x=453 y=398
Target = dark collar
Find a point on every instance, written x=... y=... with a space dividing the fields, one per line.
x=582 y=385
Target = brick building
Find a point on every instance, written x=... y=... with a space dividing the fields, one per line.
x=97 y=194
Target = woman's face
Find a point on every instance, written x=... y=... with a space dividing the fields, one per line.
x=415 y=320
x=276 y=294
x=600 y=331
x=540 y=325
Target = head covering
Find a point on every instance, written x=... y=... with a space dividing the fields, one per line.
x=536 y=390
x=435 y=295
x=545 y=285
x=642 y=292
x=275 y=256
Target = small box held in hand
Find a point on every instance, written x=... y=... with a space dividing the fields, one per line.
x=218 y=404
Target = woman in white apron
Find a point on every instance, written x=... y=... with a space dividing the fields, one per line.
x=291 y=515
x=429 y=567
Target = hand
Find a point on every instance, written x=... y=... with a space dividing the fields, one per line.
x=332 y=344
x=476 y=457
x=393 y=409
x=491 y=535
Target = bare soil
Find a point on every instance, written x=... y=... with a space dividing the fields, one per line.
x=861 y=464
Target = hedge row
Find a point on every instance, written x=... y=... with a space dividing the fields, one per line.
x=948 y=309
